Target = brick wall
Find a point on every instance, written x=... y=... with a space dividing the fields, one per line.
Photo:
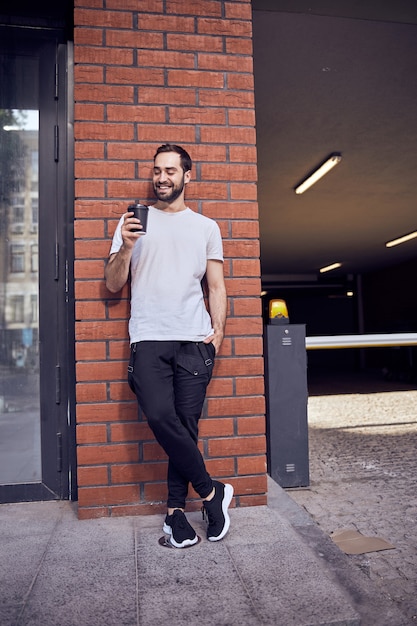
x=148 y=72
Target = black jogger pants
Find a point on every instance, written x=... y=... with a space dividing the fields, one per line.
x=170 y=379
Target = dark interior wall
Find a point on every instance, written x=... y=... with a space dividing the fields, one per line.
x=324 y=310
x=390 y=299
x=390 y=306
x=323 y=313
x=389 y=303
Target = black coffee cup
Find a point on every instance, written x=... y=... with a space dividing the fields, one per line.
x=140 y=211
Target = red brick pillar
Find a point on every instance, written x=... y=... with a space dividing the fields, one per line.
x=147 y=73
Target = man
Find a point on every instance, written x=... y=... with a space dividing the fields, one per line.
x=173 y=337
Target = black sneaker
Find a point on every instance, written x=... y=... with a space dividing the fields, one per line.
x=181 y=533
x=216 y=511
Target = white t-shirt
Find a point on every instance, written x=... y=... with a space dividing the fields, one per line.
x=167 y=266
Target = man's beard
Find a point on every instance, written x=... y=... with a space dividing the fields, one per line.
x=169 y=195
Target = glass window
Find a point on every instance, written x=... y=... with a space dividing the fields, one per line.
x=17 y=304
x=18 y=214
x=17 y=258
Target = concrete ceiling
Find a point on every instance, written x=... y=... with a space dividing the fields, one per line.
x=335 y=80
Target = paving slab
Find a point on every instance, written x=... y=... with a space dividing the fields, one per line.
x=262 y=573
x=59 y=570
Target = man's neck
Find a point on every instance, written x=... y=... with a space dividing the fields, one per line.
x=174 y=207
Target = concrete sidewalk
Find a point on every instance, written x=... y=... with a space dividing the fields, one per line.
x=274 y=567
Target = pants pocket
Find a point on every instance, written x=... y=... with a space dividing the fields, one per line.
x=197 y=359
x=192 y=364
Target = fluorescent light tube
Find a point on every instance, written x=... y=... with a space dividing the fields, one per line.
x=396 y=242
x=328 y=268
x=333 y=160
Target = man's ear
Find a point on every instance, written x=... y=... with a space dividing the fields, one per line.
x=187 y=177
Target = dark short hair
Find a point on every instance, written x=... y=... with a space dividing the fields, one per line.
x=185 y=158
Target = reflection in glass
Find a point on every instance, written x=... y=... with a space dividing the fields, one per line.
x=20 y=454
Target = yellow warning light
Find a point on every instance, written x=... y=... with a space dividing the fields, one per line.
x=278 y=312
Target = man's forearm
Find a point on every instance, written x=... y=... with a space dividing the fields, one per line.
x=217 y=300
x=117 y=270
x=218 y=310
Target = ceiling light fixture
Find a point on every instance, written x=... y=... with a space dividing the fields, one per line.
x=396 y=242
x=328 y=268
x=323 y=169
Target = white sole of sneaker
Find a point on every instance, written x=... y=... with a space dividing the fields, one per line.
x=227 y=498
x=185 y=544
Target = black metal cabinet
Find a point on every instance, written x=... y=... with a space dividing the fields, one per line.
x=286 y=400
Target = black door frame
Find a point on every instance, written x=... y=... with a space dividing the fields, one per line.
x=56 y=260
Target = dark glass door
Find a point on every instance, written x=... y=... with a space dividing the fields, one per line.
x=36 y=431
